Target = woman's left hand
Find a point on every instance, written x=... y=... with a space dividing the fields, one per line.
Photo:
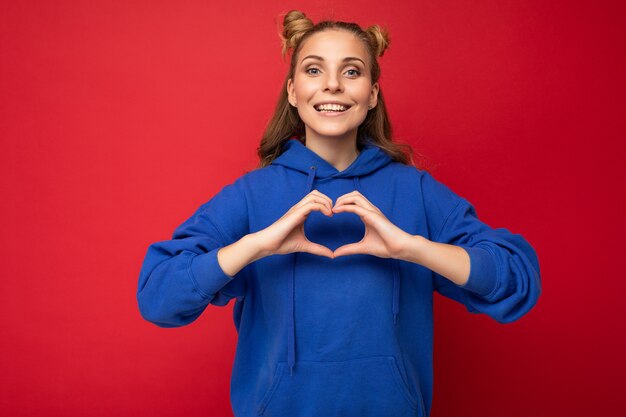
x=382 y=238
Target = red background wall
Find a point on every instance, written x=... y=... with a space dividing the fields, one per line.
x=118 y=119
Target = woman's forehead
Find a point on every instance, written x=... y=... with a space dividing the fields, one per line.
x=333 y=45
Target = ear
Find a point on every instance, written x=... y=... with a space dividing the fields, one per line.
x=374 y=95
x=291 y=92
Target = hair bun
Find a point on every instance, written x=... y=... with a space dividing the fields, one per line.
x=295 y=25
x=379 y=37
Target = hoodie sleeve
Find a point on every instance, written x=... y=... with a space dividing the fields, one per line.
x=504 y=280
x=181 y=276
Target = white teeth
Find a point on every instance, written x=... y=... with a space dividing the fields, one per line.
x=331 y=107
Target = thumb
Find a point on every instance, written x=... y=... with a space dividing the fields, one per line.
x=351 y=249
x=317 y=249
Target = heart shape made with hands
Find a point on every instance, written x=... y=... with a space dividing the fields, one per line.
x=333 y=232
x=357 y=226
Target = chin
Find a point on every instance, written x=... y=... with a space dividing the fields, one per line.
x=330 y=131
x=333 y=133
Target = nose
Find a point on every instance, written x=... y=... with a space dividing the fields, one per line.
x=332 y=82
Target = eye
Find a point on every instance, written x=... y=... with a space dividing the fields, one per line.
x=308 y=70
x=354 y=72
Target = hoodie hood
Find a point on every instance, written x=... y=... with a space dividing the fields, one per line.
x=296 y=156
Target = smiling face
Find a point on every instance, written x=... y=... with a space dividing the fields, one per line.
x=331 y=85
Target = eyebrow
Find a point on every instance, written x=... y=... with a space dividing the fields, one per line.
x=348 y=58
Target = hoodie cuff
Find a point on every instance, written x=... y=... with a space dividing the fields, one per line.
x=483 y=272
x=208 y=274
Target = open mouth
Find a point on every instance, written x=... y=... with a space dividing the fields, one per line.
x=331 y=108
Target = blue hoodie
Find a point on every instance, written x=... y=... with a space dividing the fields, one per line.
x=350 y=336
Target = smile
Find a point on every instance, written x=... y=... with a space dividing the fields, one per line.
x=331 y=108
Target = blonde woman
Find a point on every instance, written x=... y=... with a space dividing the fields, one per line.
x=332 y=248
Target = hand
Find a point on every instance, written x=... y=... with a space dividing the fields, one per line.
x=382 y=238
x=286 y=234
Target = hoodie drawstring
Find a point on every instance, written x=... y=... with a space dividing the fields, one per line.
x=395 y=305
x=395 y=308
x=291 y=336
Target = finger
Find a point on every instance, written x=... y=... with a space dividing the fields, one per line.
x=319 y=193
x=314 y=198
x=347 y=198
x=352 y=208
x=315 y=206
x=365 y=198
x=350 y=194
x=358 y=200
x=297 y=215
x=316 y=191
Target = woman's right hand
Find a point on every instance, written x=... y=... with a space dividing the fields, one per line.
x=286 y=235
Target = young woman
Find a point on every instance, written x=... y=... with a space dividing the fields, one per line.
x=333 y=247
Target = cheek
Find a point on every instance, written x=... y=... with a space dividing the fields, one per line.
x=362 y=93
x=303 y=88
x=306 y=91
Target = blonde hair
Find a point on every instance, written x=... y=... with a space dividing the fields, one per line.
x=286 y=122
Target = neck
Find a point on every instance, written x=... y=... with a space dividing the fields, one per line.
x=338 y=151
